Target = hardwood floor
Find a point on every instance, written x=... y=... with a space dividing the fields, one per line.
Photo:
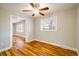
x=36 y=48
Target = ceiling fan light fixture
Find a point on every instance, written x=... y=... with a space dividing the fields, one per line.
x=36 y=11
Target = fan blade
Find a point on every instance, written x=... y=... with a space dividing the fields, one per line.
x=33 y=14
x=32 y=4
x=27 y=10
x=46 y=8
x=41 y=13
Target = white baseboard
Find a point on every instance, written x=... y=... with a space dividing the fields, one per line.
x=5 y=49
x=62 y=46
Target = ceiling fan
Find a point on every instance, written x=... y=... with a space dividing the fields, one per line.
x=36 y=9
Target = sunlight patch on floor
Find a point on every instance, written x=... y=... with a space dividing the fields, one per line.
x=19 y=43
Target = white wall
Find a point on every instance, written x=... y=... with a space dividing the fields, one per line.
x=78 y=27
x=66 y=32
x=4 y=29
x=29 y=29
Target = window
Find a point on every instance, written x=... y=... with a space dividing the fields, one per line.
x=19 y=27
x=49 y=24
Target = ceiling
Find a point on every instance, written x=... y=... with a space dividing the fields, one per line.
x=18 y=7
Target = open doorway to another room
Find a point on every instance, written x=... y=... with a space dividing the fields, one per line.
x=18 y=31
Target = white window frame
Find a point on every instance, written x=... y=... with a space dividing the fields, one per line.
x=45 y=23
x=19 y=27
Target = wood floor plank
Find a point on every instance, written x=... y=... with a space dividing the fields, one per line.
x=33 y=50
x=16 y=52
x=22 y=52
x=8 y=53
x=13 y=52
x=3 y=53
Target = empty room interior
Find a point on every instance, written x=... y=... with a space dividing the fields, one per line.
x=39 y=29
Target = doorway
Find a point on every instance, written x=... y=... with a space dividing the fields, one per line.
x=17 y=31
